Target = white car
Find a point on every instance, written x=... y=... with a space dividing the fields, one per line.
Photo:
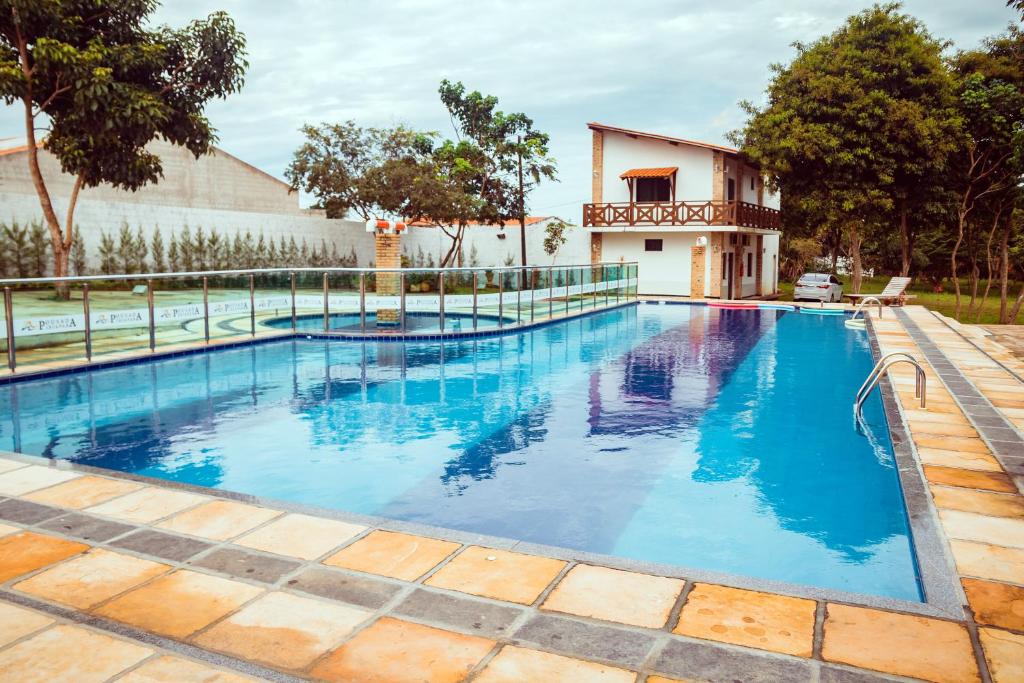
x=818 y=287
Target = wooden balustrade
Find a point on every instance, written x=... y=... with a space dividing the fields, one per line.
x=741 y=214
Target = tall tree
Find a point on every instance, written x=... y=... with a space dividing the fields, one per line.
x=856 y=124
x=108 y=84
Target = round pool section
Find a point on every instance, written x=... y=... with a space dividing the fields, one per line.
x=415 y=321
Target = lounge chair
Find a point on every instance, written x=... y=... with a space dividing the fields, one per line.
x=895 y=291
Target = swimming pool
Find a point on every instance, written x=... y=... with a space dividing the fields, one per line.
x=714 y=439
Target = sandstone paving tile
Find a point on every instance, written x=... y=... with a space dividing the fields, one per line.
x=6 y=465
x=513 y=664
x=17 y=622
x=28 y=551
x=147 y=504
x=218 y=520
x=498 y=574
x=452 y=610
x=980 y=502
x=24 y=512
x=179 y=604
x=996 y=604
x=163 y=545
x=83 y=492
x=968 y=526
x=363 y=591
x=577 y=638
x=961 y=444
x=69 y=654
x=1004 y=653
x=302 y=536
x=393 y=554
x=615 y=595
x=283 y=630
x=395 y=651
x=914 y=416
x=20 y=481
x=168 y=669
x=919 y=427
x=89 y=579
x=244 y=564
x=704 y=661
x=901 y=644
x=986 y=561
x=7 y=529
x=763 y=620
x=87 y=527
x=971 y=461
x=971 y=479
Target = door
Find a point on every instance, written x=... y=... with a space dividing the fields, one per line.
x=727 y=274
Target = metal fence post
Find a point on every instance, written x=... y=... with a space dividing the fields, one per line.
x=152 y=315
x=604 y=281
x=294 y=318
x=252 y=304
x=501 y=299
x=519 y=297
x=533 y=294
x=582 y=278
x=551 y=293
x=88 y=321
x=327 y=306
x=401 y=303
x=440 y=291
x=474 y=299
x=9 y=313
x=567 y=271
x=618 y=277
x=362 y=301
x=206 y=308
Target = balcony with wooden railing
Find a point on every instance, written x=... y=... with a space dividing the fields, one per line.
x=685 y=213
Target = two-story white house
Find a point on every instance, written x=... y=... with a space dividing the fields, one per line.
x=695 y=216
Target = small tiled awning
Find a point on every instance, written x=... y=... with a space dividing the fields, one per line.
x=666 y=172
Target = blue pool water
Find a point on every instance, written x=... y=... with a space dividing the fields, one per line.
x=701 y=437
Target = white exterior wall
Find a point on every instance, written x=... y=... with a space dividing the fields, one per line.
x=494 y=251
x=621 y=153
x=770 y=269
x=664 y=272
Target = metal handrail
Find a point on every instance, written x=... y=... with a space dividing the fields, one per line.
x=883 y=365
x=14 y=282
x=610 y=272
x=863 y=302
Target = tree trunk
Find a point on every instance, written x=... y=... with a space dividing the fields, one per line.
x=1012 y=318
x=856 y=240
x=460 y=232
x=988 y=262
x=906 y=244
x=1004 y=269
x=961 y=218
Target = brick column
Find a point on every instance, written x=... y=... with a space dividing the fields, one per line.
x=697 y=261
x=760 y=265
x=715 y=248
x=597 y=164
x=388 y=255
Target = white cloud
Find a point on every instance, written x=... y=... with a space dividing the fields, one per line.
x=674 y=67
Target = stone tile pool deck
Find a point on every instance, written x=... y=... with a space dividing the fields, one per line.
x=109 y=577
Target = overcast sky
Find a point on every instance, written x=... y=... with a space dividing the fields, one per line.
x=671 y=67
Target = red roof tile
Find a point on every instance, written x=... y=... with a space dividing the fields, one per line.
x=650 y=172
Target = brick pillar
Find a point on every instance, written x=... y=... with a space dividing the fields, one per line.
x=760 y=265
x=388 y=255
x=697 y=261
x=718 y=177
x=715 y=247
x=597 y=163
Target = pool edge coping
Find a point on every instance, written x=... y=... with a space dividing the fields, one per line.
x=943 y=593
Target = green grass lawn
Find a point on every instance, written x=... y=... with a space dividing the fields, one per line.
x=943 y=302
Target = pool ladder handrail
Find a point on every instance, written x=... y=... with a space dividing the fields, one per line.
x=884 y=363
x=859 y=310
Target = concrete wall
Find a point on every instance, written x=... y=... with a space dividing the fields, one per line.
x=621 y=153
x=214 y=181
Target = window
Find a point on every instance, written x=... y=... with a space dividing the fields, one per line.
x=732 y=239
x=750 y=263
x=653 y=190
x=746 y=240
x=751 y=182
x=732 y=190
x=834 y=280
x=652 y=245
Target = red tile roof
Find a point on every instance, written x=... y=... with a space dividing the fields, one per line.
x=664 y=138
x=650 y=172
x=530 y=220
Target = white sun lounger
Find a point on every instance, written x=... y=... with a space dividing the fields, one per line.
x=894 y=291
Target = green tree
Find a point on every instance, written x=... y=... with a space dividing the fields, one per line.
x=554 y=237
x=109 y=82
x=78 y=254
x=156 y=250
x=16 y=242
x=38 y=250
x=126 y=249
x=108 y=254
x=173 y=254
x=855 y=124
x=140 y=251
